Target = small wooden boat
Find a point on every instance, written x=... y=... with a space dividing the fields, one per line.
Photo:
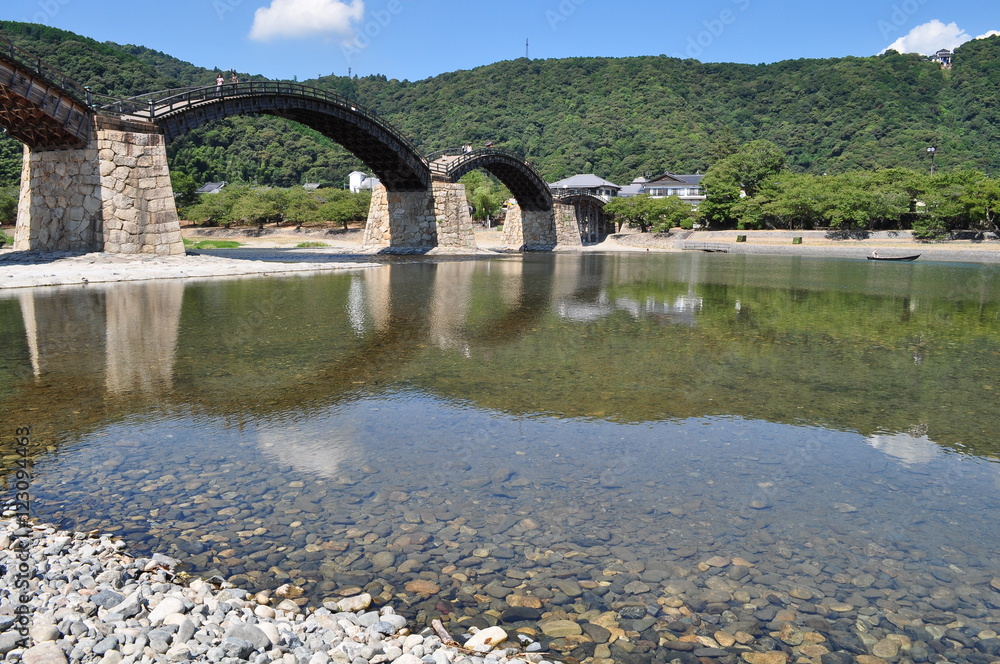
x=893 y=258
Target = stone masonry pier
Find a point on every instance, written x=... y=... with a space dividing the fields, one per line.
x=112 y=195
x=538 y=230
x=420 y=220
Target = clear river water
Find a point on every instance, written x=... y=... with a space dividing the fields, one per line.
x=630 y=441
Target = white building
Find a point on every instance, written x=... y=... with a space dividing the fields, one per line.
x=585 y=184
x=685 y=187
x=362 y=182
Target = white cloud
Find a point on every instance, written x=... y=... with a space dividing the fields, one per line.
x=933 y=36
x=306 y=18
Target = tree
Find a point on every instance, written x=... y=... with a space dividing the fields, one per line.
x=215 y=209
x=793 y=201
x=343 y=207
x=856 y=200
x=184 y=187
x=982 y=204
x=739 y=175
x=755 y=163
x=657 y=214
x=634 y=211
x=258 y=207
x=670 y=212
x=301 y=207
x=8 y=206
x=485 y=195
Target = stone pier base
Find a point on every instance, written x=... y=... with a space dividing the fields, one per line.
x=401 y=220
x=114 y=195
x=529 y=230
x=454 y=221
x=567 y=226
x=417 y=220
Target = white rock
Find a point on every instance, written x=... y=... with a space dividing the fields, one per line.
x=355 y=604
x=408 y=659
x=271 y=631
x=487 y=639
x=169 y=606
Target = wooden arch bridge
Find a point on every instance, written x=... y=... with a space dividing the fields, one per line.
x=96 y=178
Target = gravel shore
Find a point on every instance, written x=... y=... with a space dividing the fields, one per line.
x=276 y=254
x=72 y=597
x=30 y=270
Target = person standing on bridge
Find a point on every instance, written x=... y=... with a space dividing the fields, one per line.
x=234 y=79
x=219 y=80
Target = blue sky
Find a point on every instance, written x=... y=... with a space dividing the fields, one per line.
x=415 y=39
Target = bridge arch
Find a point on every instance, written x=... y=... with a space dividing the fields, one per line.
x=594 y=223
x=393 y=158
x=524 y=182
x=40 y=106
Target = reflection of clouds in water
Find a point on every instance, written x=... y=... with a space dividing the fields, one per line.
x=356 y=306
x=681 y=311
x=320 y=450
x=907 y=448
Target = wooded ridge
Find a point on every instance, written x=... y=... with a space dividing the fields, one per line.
x=617 y=118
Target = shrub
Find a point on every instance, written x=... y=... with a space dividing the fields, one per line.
x=929 y=228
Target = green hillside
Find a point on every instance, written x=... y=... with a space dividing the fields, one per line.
x=618 y=118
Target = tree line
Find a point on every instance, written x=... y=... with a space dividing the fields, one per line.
x=253 y=206
x=752 y=188
x=614 y=117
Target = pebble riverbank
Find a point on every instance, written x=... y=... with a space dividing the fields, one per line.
x=30 y=270
x=87 y=601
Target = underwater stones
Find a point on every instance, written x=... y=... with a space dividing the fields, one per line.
x=561 y=628
x=422 y=587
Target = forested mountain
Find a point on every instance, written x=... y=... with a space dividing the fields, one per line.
x=618 y=118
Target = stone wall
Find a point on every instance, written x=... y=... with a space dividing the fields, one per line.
x=114 y=195
x=513 y=228
x=401 y=219
x=529 y=230
x=454 y=221
x=140 y=215
x=420 y=220
x=567 y=226
x=60 y=201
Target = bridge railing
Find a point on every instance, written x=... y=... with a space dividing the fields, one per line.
x=52 y=75
x=445 y=169
x=157 y=104
x=138 y=105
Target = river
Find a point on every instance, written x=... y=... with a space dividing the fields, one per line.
x=636 y=444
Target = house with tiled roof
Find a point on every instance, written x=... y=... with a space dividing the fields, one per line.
x=588 y=184
x=686 y=187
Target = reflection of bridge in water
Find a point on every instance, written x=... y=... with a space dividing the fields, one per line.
x=96 y=178
x=104 y=351
x=617 y=340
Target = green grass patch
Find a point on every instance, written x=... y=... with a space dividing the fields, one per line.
x=7 y=240
x=212 y=244
x=310 y=245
